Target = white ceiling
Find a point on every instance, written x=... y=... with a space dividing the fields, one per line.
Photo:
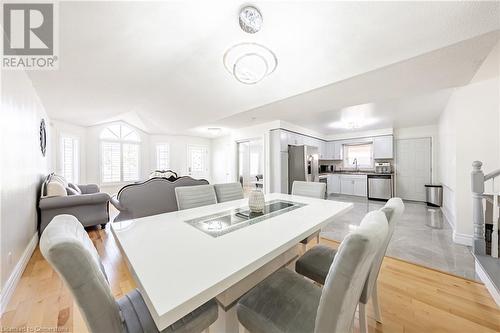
x=161 y=62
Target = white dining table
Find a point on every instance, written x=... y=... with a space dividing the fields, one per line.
x=179 y=267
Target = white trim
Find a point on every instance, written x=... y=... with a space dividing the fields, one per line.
x=462 y=239
x=488 y=283
x=16 y=274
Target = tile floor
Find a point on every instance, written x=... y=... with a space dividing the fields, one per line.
x=421 y=237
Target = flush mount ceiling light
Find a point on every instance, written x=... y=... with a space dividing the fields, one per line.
x=249 y=63
x=214 y=130
x=250 y=19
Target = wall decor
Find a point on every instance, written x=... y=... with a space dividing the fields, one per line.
x=43 y=137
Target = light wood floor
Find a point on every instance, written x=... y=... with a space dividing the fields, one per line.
x=413 y=298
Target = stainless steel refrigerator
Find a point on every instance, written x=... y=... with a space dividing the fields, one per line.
x=302 y=164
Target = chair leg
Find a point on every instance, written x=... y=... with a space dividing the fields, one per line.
x=376 y=305
x=242 y=329
x=363 y=320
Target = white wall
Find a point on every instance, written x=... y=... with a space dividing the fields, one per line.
x=178 y=151
x=90 y=151
x=469 y=130
x=59 y=129
x=221 y=165
x=22 y=168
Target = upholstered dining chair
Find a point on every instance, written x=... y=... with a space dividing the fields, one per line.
x=286 y=302
x=315 y=263
x=309 y=189
x=195 y=196
x=312 y=190
x=228 y=192
x=68 y=248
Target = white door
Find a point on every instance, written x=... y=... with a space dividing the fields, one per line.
x=413 y=168
x=197 y=161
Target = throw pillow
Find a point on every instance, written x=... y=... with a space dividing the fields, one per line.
x=56 y=189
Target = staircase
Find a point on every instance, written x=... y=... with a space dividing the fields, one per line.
x=486 y=213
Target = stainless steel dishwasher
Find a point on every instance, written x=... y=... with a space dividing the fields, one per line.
x=380 y=187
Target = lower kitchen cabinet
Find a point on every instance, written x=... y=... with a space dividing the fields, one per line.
x=333 y=184
x=353 y=185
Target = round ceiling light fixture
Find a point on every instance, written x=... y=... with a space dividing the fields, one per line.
x=249 y=63
x=250 y=19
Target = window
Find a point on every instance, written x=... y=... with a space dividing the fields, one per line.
x=120 y=153
x=362 y=154
x=162 y=156
x=70 y=158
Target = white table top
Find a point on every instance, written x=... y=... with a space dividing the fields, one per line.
x=179 y=267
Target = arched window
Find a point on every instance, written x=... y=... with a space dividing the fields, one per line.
x=120 y=154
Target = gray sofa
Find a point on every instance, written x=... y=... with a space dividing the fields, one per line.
x=85 y=202
x=151 y=197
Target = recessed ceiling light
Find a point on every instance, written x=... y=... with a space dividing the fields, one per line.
x=250 y=19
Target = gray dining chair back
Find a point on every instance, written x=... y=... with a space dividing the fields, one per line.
x=393 y=210
x=348 y=274
x=67 y=247
x=195 y=196
x=309 y=189
x=228 y=192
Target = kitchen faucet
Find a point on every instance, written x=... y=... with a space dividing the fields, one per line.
x=355 y=162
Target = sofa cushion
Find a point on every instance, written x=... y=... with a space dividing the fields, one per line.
x=56 y=189
x=75 y=187
x=71 y=191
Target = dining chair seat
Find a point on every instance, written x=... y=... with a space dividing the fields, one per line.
x=316 y=262
x=284 y=302
x=138 y=318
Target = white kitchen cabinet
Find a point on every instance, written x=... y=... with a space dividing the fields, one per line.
x=333 y=184
x=353 y=185
x=360 y=187
x=346 y=185
x=322 y=150
x=383 y=147
x=337 y=150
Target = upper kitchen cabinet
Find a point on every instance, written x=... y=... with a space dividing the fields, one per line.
x=337 y=150
x=383 y=147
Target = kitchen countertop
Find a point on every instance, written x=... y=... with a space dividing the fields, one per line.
x=354 y=173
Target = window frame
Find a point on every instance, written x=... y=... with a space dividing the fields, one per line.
x=76 y=156
x=158 y=144
x=345 y=155
x=121 y=142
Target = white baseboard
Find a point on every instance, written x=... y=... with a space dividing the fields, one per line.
x=488 y=284
x=463 y=239
x=15 y=276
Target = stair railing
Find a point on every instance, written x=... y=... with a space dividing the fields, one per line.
x=478 y=180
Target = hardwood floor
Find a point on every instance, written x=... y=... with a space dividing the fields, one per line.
x=413 y=298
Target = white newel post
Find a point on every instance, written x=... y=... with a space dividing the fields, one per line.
x=477 y=182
